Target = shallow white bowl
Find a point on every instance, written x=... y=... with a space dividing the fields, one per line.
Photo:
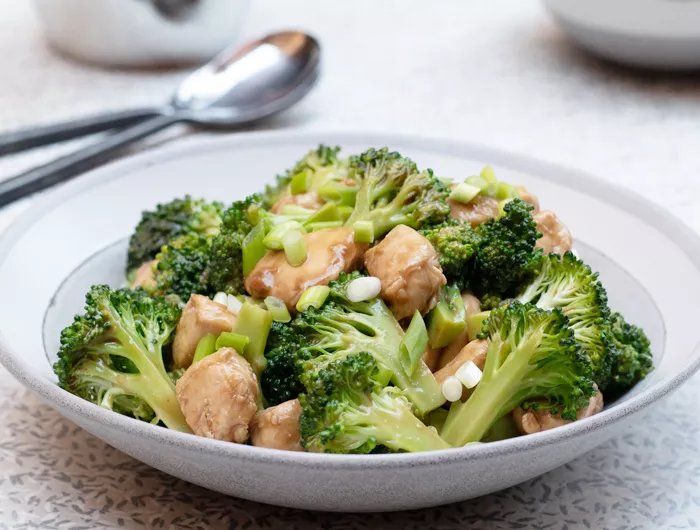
x=659 y=34
x=75 y=236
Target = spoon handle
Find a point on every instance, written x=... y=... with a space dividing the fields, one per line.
x=71 y=165
x=24 y=139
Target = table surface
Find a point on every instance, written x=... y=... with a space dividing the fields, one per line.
x=499 y=75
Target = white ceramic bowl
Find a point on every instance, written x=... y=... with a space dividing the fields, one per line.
x=75 y=236
x=135 y=33
x=660 y=34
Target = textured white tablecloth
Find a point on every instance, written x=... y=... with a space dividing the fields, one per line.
x=496 y=73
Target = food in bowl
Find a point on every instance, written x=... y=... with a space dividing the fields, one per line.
x=360 y=305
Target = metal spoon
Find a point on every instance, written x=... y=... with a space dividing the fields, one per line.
x=237 y=87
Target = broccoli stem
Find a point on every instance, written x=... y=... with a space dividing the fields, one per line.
x=470 y=421
x=160 y=397
x=398 y=429
x=421 y=388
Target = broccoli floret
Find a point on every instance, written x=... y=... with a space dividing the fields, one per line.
x=168 y=221
x=225 y=268
x=344 y=410
x=633 y=360
x=284 y=351
x=490 y=301
x=532 y=356
x=318 y=167
x=341 y=328
x=113 y=355
x=507 y=257
x=570 y=285
x=393 y=192
x=455 y=243
x=182 y=267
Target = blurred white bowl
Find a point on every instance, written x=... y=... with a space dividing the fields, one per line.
x=142 y=33
x=661 y=34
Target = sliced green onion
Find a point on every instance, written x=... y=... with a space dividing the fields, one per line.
x=313 y=297
x=253 y=214
x=253 y=248
x=345 y=212
x=205 y=346
x=414 y=343
x=232 y=340
x=505 y=191
x=364 y=288
x=447 y=319
x=486 y=187
x=277 y=309
x=221 y=298
x=273 y=239
x=488 y=175
x=315 y=227
x=464 y=193
x=234 y=304
x=254 y=322
x=475 y=324
x=339 y=194
x=295 y=211
x=469 y=374
x=329 y=212
x=301 y=181
x=447 y=181
x=294 y=248
x=452 y=389
x=364 y=231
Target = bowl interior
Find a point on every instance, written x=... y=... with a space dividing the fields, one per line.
x=77 y=238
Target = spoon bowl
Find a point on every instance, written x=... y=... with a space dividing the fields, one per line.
x=250 y=83
x=238 y=87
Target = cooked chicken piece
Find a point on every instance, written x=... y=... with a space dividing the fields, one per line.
x=329 y=251
x=201 y=316
x=475 y=351
x=525 y=195
x=145 y=275
x=530 y=421
x=309 y=200
x=218 y=396
x=556 y=238
x=479 y=210
x=408 y=267
x=278 y=427
x=449 y=352
x=431 y=357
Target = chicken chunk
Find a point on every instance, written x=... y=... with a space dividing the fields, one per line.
x=407 y=266
x=278 y=427
x=309 y=200
x=479 y=210
x=475 y=351
x=449 y=352
x=556 y=238
x=201 y=316
x=145 y=276
x=218 y=396
x=530 y=421
x=525 y=195
x=329 y=251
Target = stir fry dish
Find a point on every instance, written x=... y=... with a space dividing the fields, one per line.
x=359 y=305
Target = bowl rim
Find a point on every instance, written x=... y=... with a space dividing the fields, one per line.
x=665 y=222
